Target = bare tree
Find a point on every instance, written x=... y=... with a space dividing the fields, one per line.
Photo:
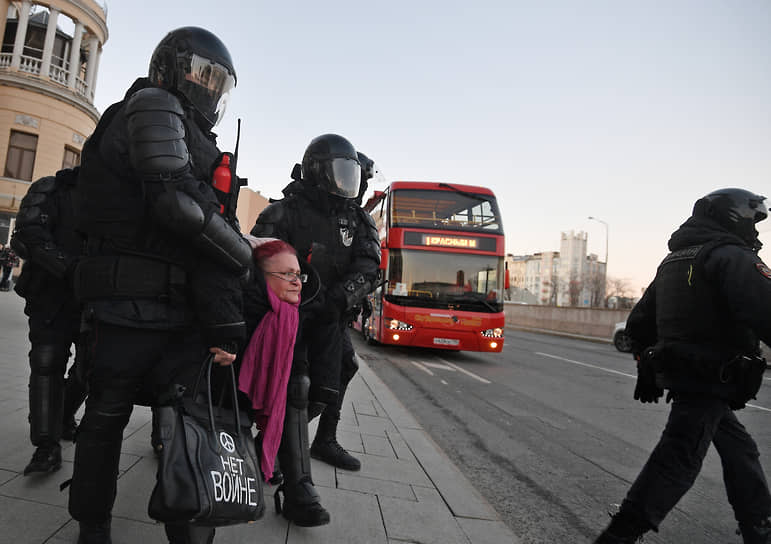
x=554 y=289
x=595 y=283
x=619 y=287
x=622 y=290
x=575 y=286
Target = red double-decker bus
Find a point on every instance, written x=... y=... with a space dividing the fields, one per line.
x=443 y=267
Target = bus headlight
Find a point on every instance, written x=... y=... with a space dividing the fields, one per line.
x=493 y=333
x=397 y=325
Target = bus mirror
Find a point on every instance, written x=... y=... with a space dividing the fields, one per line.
x=383 y=259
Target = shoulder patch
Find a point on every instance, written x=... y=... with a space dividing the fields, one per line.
x=763 y=269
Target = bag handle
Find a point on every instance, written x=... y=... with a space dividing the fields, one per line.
x=206 y=367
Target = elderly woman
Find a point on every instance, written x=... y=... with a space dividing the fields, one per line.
x=271 y=374
x=271 y=309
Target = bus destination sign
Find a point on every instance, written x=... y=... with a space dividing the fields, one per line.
x=440 y=240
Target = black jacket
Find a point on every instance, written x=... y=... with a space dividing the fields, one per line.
x=705 y=308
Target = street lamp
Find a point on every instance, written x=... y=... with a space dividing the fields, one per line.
x=606 y=248
x=606 y=240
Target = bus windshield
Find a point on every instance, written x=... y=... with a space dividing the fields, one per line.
x=433 y=279
x=449 y=210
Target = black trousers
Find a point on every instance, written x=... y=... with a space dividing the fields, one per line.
x=128 y=366
x=319 y=346
x=54 y=327
x=348 y=369
x=694 y=423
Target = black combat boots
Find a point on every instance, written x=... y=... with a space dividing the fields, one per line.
x=95 y=533
x=326 y=448
x=45 y=459
x=302 y=504
x=624 y=528
x=756 y=533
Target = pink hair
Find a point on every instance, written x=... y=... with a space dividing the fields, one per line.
x=270 y=249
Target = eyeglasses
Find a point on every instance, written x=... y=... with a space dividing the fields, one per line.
x=290 y=276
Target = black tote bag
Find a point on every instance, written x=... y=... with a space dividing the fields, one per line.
x=207 y=472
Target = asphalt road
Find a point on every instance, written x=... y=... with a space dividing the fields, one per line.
x=549 y=433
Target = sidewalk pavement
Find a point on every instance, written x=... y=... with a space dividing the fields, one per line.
x=407 y=491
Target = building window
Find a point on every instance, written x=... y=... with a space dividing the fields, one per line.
x=71 y=157
x=21 y=155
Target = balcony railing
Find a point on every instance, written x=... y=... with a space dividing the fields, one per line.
x=30 y=65
x=57 y=74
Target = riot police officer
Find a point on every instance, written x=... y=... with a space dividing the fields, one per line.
x=696 y=333
x=46 y=239
x=321 y=220
x=161 y=279
x=325 y=446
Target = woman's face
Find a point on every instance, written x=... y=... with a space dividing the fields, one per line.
x=276 y=269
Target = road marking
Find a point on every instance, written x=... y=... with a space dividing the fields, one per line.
x=423 y=368
x=444 y=382
x=587 y=365
x=466 y=372
x=439 y=365
x=617 y=372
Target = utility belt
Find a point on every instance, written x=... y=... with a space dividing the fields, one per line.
x=738 y=378
x=129 y=277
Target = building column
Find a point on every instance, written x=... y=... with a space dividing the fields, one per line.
x=93 y=48
x=21 y=34
x=96 y=73
x=48 y=45
x=4 y=5
x=74 y=66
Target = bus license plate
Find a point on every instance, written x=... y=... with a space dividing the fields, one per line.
x=447 y=341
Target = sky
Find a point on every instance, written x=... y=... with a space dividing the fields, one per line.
x=624 y=111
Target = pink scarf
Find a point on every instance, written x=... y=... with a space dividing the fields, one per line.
x=264 y=374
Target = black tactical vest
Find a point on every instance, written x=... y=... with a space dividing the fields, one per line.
x=695 y=335
x=686 y=308
x=324 y=240
x=111 y=197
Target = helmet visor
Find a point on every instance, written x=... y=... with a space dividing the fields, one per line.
x=344 y=176
x=207 y=86
x=759 y=208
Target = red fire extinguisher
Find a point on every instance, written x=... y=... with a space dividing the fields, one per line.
x=222 y=178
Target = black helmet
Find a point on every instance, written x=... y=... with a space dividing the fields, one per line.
x=367 y=167
x=368 y=170
x=194 y=63
x=331 y=162
x=737 y=210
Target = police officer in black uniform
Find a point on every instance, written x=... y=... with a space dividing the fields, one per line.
x=325 y=446
x=46 y=239
x=696 y=333
x=321 y=220
x=161 y=279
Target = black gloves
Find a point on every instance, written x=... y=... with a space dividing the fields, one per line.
x=646 y=389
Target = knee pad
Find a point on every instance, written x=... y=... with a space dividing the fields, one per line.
x=48 y=359
x=108 y=409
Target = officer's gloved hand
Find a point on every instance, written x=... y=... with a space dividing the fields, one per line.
x=646 y=389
